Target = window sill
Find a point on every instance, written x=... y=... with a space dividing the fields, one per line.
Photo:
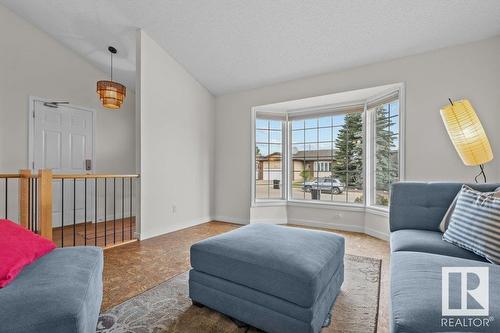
x=269 y=203
x=376 y=210
x=326 y=205
x=308 y=204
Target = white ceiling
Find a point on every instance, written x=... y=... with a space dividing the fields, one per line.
x=231 y=45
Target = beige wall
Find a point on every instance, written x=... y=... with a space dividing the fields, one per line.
x=177 y=143
x=467 y=71
x=33 y=63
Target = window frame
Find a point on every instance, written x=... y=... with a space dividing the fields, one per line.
x=371 y=148
x=369 y=124
x=284 y=183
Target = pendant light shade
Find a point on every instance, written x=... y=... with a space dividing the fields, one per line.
x=467 y=133
x=112 y=94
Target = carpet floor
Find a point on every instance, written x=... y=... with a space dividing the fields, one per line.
x=167 y=307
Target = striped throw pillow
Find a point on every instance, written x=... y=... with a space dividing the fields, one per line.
x=475 y=224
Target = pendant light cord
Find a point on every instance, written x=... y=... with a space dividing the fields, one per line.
x=481 y=166
x=111 y=66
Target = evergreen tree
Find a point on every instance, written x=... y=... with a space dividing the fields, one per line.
x=348 y=154
x=387 y=160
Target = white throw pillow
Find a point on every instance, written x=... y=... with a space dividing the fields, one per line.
x=475 y=224
x=447 y=216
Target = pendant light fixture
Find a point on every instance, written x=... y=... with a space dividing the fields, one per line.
x=111 y=93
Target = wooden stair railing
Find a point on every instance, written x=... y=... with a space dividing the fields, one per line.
x=36 y=201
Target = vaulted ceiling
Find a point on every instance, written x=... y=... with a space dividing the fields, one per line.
x=231 y=45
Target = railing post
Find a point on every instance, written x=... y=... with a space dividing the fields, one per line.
x=45 y=202
x=24 y=199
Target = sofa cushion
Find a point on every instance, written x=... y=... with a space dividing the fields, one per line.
x=61 y=292
x=416 y=283
x=429 y=242
x=291 y=263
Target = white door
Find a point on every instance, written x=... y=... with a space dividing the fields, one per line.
x=63 y=141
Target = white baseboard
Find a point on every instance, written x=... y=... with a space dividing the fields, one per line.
x=229 y=219
x=376 y=234
x=178 y=226
x=269 y=221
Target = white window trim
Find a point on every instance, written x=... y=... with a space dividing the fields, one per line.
x=368 y=205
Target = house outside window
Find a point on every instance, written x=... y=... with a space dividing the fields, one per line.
x=347 y=154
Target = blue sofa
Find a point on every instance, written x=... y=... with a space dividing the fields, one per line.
x=418 y=254
x=59 y=293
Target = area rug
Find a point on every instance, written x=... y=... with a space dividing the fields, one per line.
x=167 y=307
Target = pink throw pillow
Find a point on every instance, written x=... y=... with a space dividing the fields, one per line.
x=19 y=247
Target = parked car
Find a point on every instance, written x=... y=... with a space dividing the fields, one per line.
x=325 y=184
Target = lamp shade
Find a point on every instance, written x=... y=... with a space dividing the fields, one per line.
x=111 y=94
x=467 y=133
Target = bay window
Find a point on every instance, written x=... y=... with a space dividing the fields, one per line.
x=346 y=154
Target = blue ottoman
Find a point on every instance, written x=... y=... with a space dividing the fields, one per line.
x=275 y=278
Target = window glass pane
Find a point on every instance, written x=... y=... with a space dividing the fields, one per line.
x=354 y=188
x=268 y=159
x=326 y=150
x=297 y=124
x=261 y=136
x=262 y=150
x=325 y=134
x=261 y=190
x=261 y=124
x=386 y=150
x=298 y=182
x=275 y=191
x=311 y=123
x=275 y=149
x=339 y=120
x=339 y=191
x=394 y=123
x=275 y=124
x=325 y=121
x=275 y=136
x=298 y=136
x=298 y=152
x=311 y=135
x=311 y=149
x=329 y=158
x=336 y=132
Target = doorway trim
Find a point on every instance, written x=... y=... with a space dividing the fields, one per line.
x=31 y=129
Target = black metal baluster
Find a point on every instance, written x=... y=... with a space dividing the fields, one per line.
x=74 y=211
x=123 y=209
x=85 y=215
x=6 y=198
x=130 y=207
x=114 y=210
x=35 y=202
x=62 y=212
x=30 y=207
x=95 y=211
x=105 y=209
